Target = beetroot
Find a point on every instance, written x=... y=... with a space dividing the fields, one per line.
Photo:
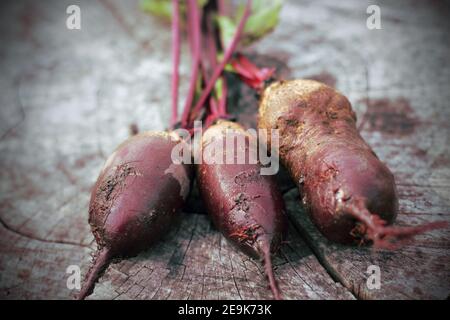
x=245 y=206
x=349 y=193
x=136 y=199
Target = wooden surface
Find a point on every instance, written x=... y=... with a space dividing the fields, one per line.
x=68 y=98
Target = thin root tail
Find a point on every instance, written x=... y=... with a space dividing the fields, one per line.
x=100 y=263
x=269 y=272
x=375 y=229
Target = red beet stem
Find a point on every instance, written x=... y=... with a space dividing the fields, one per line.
x=176 y=60
x=210 y=42
x=194 y=20
x=265 y=248
x=221 y=7
x=223 y=98
x=217 y=108
x=100 y=263
x=213 y=106
x=219 y=68
x=251 y=75
x=373 y=228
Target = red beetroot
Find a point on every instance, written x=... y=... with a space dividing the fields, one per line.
x=245 y=206
x=350 y=193
x=136 y=199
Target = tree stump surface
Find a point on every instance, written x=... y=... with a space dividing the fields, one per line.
x=68 y=97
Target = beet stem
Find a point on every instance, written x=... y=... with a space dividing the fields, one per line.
x=194 y=20
x=227 y=55
x=100 y=263
x=176 y=60
x=223 y=98
x=382 y=236
x=269 y=272
x=217 y=108
x=221 y=7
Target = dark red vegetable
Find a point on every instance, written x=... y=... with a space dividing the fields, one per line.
x=245 y=206
x=136 y=199
x=350 y=193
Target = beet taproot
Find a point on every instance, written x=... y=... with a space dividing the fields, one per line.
x=349 y=193
x=135 y=200
x=245 y=206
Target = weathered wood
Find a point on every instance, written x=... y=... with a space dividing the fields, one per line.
x=32 y=268
x=196 y=262
x=68 y=98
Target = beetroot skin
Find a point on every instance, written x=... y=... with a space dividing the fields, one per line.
x=136 y=199
x=245 y=206
x=349 y=193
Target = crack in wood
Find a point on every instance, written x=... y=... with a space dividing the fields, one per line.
x=35 y=238
x=319 y=255
x=21 y=110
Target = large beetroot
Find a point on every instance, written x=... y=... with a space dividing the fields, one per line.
x=136 y=199
x=350 y=193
